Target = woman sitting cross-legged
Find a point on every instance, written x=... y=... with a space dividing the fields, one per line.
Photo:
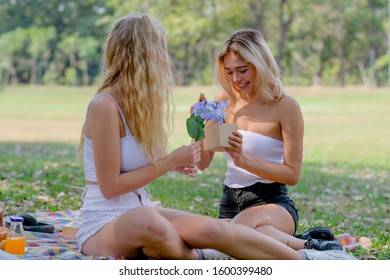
x=267 y=150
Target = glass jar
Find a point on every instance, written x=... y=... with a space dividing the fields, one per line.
x=15 y=242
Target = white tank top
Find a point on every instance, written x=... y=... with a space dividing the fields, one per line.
x=132 y=153
x=256 y=146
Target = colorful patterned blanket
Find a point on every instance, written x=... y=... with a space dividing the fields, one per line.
x=45 y=246
x=56 y=246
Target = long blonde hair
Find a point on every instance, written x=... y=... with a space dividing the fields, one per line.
x=251 y=47
x=136 y=66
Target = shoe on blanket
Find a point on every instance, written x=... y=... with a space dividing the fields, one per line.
x=211 y=254
x=323 y=245
x=309 y=254
x=317 y=233
x=30 y=223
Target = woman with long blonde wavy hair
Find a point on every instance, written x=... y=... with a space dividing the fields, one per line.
x=124 y=142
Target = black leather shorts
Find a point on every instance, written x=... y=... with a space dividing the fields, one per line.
x=235 y=200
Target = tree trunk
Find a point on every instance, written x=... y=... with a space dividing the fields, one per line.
x=341 y=72
x=84 y=70
x=372 y=67
x=259 y=9
x=363 y=74
x=5 y=80
x=197 y=64
x=73 y=64
x=33 y=72
x=285 y=21
x=186 y=68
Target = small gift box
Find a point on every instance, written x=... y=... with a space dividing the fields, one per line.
x=217 y=136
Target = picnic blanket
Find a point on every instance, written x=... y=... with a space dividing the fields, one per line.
x=56 y=246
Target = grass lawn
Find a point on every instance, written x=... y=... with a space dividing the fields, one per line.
x=345 y=184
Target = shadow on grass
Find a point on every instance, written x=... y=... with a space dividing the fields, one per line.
x=348 y=199
x=38 y=176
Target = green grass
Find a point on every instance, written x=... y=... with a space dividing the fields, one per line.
x=345 y=183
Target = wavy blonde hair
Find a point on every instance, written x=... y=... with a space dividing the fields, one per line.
x=136 y=65
x=251 y=47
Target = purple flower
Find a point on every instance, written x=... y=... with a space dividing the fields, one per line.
x=210 y=110
x=202 y=112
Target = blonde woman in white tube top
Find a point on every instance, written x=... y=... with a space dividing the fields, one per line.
x=266 y=152
x=124 y=140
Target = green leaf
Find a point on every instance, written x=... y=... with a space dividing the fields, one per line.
x=195 y=127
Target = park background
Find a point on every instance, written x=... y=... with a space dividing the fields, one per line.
x=335 y=61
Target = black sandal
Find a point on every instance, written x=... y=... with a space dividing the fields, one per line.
x=322 y=233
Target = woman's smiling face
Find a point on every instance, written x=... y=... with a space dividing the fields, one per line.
x=240 y=73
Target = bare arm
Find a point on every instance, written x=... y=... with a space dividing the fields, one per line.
x=105 y=134
x=207 y=156
x=292 y=128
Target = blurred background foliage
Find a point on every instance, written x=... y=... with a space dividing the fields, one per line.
x=330 y=43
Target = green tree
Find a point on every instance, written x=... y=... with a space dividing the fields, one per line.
x=39 y=48
x=315 y=42
x=69 y=47
x=88 y=48
x=12 y=45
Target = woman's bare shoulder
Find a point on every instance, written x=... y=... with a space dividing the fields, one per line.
x=289 y=108
x=288 y=101
x=103 y=101
x=103 y=106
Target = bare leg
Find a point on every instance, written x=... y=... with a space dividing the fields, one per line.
x=236 y=240
x=144 y=229
x=272 y=220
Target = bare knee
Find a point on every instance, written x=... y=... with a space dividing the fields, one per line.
x=211 y=233
x=266 y=219
x=253 y=218
x=152 y=227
